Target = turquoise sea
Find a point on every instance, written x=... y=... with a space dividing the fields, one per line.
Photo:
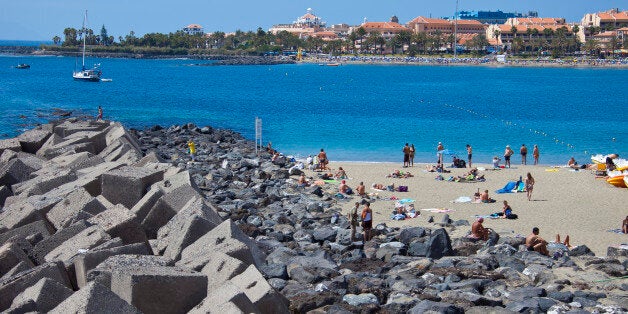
x=355 y=112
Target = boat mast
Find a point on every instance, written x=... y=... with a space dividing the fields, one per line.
x=83 y=31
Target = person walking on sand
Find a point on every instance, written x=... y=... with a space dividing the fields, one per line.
x=507 y=153
x=99 y=117
x=192 y=149
x=529 y=186
x=535 y=154
x=469 y=154
x=412 y=151
x=524 y=154
x=536 y=243
x=367 y=221
x=353 y=218
x=406 y=155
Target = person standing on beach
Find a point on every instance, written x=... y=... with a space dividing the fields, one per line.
x=412 y=151
x=192 y=149
x=353 y=218
x=624 y=225
x=536 y=243
x=322 y=159
x=406 y=155
x=367 y=221
x=440 y=148
x=535 y=154
x=469 y=154
x=524 y=154
x=99 y=117
x=507 y=153
x=529 y=185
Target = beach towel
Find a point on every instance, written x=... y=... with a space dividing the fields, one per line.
x=507 y=188
x=551 y=170
x=491 y=216
x=332 y=181
x=521 y=187
x=618 y=230
x=462 y=199
x=406 y=200
x=438 y=210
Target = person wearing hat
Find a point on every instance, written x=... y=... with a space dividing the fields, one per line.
x=507 y=153
x=478 y=231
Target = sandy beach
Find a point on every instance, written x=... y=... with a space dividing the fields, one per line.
x=564 y=202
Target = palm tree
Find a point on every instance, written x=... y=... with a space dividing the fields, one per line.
x=56 y=39
x=496 y=34
x=529 y=33
x=403 y=38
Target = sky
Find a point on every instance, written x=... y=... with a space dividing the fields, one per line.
x=43 y=19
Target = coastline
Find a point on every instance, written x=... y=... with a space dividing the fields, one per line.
x=564 y=202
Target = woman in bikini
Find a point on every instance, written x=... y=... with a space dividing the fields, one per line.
x=529 y=185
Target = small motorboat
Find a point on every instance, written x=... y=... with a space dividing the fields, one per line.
x=23 y=66
x=333 y=64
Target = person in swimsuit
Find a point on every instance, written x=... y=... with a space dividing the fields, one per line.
x=507 y=153
x=406 y=155
x=535 y=154
x=524 y=154
x=367 y=221
x=322 y=160
x=536 y=243
x=412 y=151
x=529 y=186
x=478 y=231
x=469 y=154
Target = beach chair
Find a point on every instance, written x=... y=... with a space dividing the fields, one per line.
x=600 y=170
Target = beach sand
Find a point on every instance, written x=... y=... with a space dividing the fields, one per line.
x=564 y=202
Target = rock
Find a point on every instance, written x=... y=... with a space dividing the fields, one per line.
x=94 y=298
x=10 y=144
x=78 y=205
x=46 y=294
x=325 y=234
x=32 y=140
x=263 y=296
x=14 y=171
x=361 y=299
x=613 y=251
x=580 y=250
x=225 y=299
x=11 y=287
x=407 y=235
x=439 y=244
x=440 y=307
x=221 y=268
x=102 y=273
x=50 y=243
x=10 y=256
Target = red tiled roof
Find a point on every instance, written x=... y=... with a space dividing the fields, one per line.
x=383 y=26
x=194 y=26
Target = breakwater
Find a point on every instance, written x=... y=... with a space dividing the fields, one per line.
x=98 y=216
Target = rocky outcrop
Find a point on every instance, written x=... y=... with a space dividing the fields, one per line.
x=96 y=216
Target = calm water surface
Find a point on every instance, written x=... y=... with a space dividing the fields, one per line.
x=354 y=112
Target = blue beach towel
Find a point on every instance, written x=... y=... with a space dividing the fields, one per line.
x=507 y=188
x=406 y=200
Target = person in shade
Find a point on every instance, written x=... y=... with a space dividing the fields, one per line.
x=367 y=221
x=536 y=243
x=624 y=225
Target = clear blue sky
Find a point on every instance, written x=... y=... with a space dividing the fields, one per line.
x=43 y=19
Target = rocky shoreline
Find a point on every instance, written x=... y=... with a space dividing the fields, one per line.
x=96 y=216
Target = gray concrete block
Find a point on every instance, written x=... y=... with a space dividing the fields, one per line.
x=118 y=150
x=144 y=205
x=78 y=205
x=84 y=240
x=10 y=256
x=94 y=298
x=66 y=146
x=29 y=306
x=11 y=287
x=221 y=268
x=43 y=184
x=19 y=214
x=120 y=222
x=226 y=238
x=14 y=171
x=35 y=230
x=32 y=140
x=102 y=272
x=117 y=132
x=195 y=219
x=160 y=289
x=265 y=298
x=127 y=185
x=53 y=140
x=5 y=192
x=20 y=267
x=150 y=157
x=91 y=259
x=10 y=144
x=96 y=138
x=7 y=155
x=53 y=241
x=71 y=126
x=46 y=294
x=226 y=298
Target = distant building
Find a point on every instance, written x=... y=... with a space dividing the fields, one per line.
x=602 y=26
x=526 y=21
x=304 y=26
x=388 y=30
x=528 y=30
x=193 y=29
x=492 y=17
x=429 y=25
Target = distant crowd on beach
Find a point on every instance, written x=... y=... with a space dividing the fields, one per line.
x=471 y=61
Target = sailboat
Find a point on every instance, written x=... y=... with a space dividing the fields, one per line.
x=90 y=75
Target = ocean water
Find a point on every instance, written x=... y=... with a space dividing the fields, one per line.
x=355 y=112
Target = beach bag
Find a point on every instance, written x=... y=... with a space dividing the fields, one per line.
x=403 y=188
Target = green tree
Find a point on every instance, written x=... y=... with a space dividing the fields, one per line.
x=361 y=33
x=592 y=47
x=70 y=37
x=478 y=44
x=496 y=34
x=403 y=39
x=56 y=39
x=104 y=38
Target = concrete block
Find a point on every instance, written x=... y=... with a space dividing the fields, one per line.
x=72 y=146
x=120 y=222
x=226 y=238
x=35 y=230
x=53 y=140
x=102 y=272
x=91 y=259
x=51 y=242
x=32 y=140
x=5 y=192
x=221 y=268
x=19 y=214
x=110 y=244
x=94 y=298
x=11 y=287
x=10 y=256
x=144 y=205
x=10 y=144
x=43 y=184
x=160 y=289
x=46 y=293
x=151 y=157
x=190 y=223
x=30 y=160
x=117 y=151
x=76 y=206
x=117 y=131
x=20 y=267
x=14 y=171
x=7 y=155
x=29 y=306
x=71 y=126
x=265 y=298
x=96 y=138
x=226 y=298
x=84 y=240
x=127 y=185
